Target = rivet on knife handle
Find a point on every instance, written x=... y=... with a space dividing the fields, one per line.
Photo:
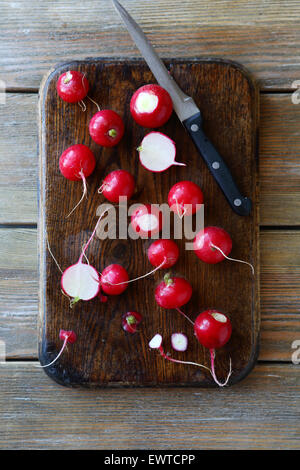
x=220 y=171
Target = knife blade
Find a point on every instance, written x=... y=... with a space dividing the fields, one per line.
x=189 y=114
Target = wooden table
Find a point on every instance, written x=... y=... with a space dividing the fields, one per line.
x=260 y=412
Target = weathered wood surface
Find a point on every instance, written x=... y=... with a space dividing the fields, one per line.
x=264 y=36
x=280 y=293
x=104 y=354
x=279 y=155
x=262 y=412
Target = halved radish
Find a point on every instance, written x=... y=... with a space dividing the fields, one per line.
x=157 y=152
x=80 y=282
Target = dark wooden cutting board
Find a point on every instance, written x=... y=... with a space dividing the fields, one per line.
x=104 y=354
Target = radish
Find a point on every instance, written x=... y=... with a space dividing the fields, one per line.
x=179 y=342
x=82 y=281
x=213 y=244
x=147 y=220
x=151 y=106
x=130 y=321
x=77 y=163
x=114 y=279
x=106 y=128
x=118 y=183
x=67 y=337
x=185 y=198
x=157 y=152
x=164 y=253
x=72 y=86
x=173 y=292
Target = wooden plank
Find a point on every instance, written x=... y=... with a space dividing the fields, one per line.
x=279 y=160
x=262 y=412
x=101 y=334
x=280 y=294
x=264 y=36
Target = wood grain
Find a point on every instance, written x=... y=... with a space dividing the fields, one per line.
x=262 y=412
x=279 y=160
x=104 y=355
x=254 y=33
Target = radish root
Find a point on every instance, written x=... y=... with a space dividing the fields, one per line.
x=213 y=373
x=233 y=259
x=59 y=354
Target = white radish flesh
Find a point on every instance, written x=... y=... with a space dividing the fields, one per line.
x=81 y=281
x=155 y=342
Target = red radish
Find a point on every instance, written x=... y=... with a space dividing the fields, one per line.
x=157 y=152
x=213 y=244
x=118 y=183
x=130 y=321
x=173 y=292
x=164 y=253
x=81 y=281
x=179 y=342
x=72 y=86
x=185 y=198
x=77 y=163
x=114 y=279
x=67 y=337
x=147 y=220
x=106 y=128
x=212 y=329
x=151 y=106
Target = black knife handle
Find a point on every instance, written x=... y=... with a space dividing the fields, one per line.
x=220 y=171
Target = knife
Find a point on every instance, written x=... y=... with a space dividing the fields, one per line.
x=189 y=114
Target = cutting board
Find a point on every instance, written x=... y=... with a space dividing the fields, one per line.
x=104 y=355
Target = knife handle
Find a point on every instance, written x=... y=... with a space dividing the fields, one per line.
x=220 y=171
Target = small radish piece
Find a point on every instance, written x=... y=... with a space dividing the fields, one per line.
x=130 y=321
x=179 y=342
x=77 y=163
x=106 y=128
x=173 y=292
x=163 y=252
x=212 y=329
x=213 y=244
x=72 y=86
x=151 y=106
x=157 y=152
x=185 y=198
x=147 y=220
x=118 y=183
x=114 y=279
x=67 y=337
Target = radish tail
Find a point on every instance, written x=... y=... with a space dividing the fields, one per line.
x=59 y=354
x=181 y=362
x=179 y=163
x=93 y=234
x=233 y=259
x=182 y=313
x=84 y=192
x=140 y=277
x=213 y=373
